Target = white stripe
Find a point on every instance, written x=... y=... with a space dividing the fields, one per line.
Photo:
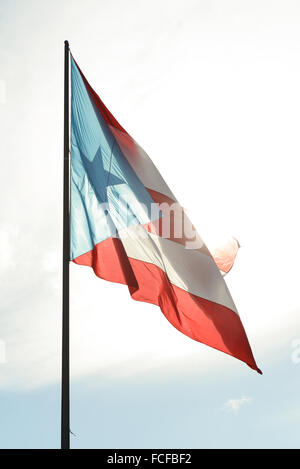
x=141 y=164
x=188 y=269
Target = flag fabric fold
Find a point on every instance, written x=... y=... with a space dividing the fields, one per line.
x=128 y=226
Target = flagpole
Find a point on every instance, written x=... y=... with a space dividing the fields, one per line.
x=65 y=381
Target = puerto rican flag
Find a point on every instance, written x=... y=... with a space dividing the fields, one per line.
x=128 y=226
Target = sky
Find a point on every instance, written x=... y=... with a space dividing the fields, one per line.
x=210 y=89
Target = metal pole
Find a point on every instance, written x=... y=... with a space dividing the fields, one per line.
x=65 y=383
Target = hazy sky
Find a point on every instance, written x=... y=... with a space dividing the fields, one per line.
x=211 y=90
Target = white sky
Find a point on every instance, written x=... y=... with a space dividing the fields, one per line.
x=210 y=89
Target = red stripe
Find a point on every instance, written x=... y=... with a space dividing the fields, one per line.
x=202 y=320
x=177 y=223
x=160 y=198
x=110 y=262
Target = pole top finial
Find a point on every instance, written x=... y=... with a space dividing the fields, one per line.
x=67 y=43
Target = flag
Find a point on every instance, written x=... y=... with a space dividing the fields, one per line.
x=224 y=253
x=127 y=225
